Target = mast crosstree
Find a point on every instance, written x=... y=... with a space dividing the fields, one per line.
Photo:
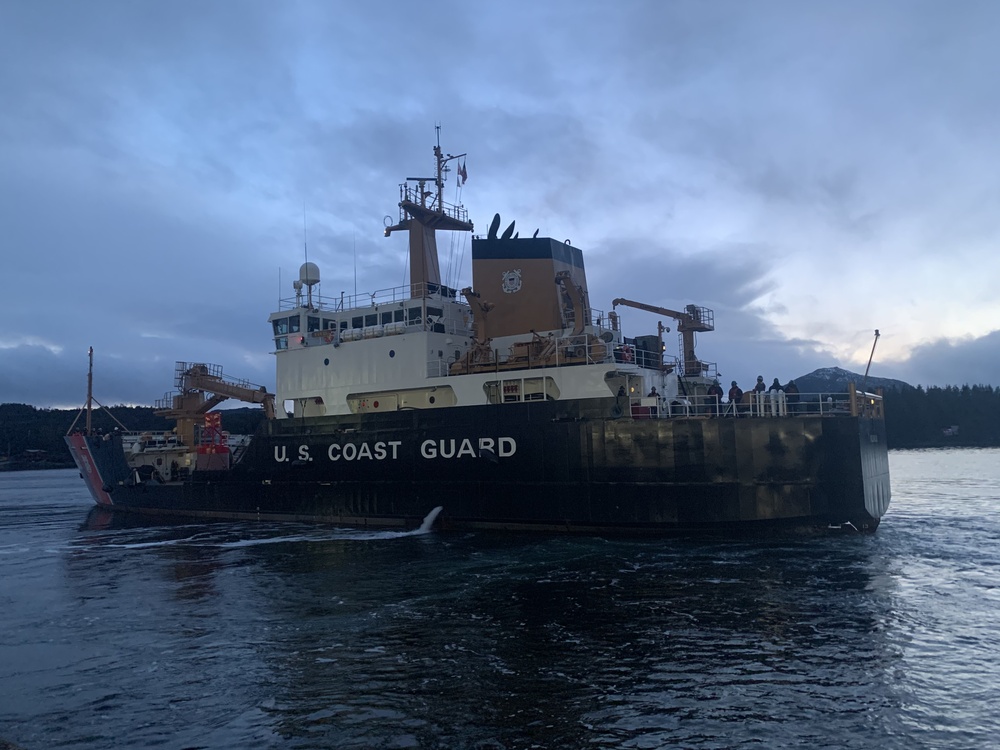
x=423 y=211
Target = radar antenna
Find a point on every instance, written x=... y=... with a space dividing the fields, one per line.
x=423 y=211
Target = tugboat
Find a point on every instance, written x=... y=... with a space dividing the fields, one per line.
x=511 y=404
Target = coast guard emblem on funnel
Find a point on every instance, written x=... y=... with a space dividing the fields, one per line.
x=512 y=281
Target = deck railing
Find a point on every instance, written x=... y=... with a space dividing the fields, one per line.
x=344 y=302
x=565 y=350
x=769 y=404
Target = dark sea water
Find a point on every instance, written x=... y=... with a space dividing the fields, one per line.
x=232 y=635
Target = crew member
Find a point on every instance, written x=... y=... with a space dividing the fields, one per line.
x=792 y=393
x=714 y=396
x=735 y=393
x=735 y=397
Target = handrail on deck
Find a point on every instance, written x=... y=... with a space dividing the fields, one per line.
x=762 y=405
x=560 y=351
x=345 y=302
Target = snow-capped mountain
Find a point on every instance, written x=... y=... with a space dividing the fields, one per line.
x=835 y=380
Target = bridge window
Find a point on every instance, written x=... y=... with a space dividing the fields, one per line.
x=371 y=320
x=492 y=392
x=515 y=390
x=437 y=315
x=293 y=324
x=540 y=389
x=312 y=324
x=511 y=390
x=280 y=326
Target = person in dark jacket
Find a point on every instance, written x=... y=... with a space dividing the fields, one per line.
x=735 y=393
x=759 y=387
x=735 y=397
x=714 y=396
x=792 y=394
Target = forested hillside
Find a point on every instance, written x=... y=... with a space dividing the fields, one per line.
x=960 y=416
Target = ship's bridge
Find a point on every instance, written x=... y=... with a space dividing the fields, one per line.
x=386 y=312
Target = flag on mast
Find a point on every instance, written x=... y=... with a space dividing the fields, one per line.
x=462 y=173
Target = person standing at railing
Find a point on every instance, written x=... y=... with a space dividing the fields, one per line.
x=792 y=395
x=757 y=397
x=714 y=397
x=776 y=393
x=735 y=397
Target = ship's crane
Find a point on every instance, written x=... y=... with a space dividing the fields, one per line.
x=577 y=303
x=693 y=320
x=201 y=387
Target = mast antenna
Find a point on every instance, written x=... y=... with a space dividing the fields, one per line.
x=305 y=239
x=90 y=386
x=89 y=406
x=864 y=380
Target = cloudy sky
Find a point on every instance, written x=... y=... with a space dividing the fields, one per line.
x=811 y=171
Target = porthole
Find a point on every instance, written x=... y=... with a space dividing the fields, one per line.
x=326 y=361
x=392 y=353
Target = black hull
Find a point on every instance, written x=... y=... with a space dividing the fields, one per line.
x=545 y=466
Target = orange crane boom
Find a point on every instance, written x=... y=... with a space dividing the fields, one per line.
x=201 y=387
x=694 y=319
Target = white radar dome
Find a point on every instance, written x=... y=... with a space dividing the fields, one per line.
x=309 y=274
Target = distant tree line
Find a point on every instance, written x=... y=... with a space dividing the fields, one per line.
x=915 y=418
x=933 y=417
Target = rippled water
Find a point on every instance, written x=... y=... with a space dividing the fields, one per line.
x=278 y=636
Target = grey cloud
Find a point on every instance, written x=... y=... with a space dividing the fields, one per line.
x=155 y=159
x=974 y=361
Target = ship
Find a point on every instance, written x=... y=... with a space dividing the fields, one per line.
x=511 y=404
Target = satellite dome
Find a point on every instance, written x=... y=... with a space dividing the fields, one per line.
x=309 y=274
